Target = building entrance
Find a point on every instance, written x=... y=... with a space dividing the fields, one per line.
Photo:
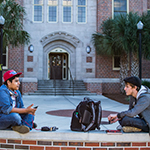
x=58 y=66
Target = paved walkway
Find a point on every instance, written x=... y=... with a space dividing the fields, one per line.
x=51 y=103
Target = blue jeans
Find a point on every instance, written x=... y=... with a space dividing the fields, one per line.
x=134 y=122
x=15 y=119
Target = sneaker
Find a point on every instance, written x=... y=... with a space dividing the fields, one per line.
x=21 y=129
x=130 y=129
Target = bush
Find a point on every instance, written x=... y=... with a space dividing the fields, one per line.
x=146 y=83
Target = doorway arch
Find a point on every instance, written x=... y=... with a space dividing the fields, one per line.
x=58 y=64
x=59 y=42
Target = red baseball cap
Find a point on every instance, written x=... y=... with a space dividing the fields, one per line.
x=10 y=73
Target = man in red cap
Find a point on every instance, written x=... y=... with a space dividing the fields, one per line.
x=137 y=117
x=13 y=114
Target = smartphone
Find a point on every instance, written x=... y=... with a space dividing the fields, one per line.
x=35 y=107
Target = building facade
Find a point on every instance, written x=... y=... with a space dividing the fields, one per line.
x=61 y=32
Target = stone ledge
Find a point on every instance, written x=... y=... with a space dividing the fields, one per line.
x=67 y=135
x=28 y=79
x=101 y=80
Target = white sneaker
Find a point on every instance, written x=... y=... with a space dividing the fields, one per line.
x=131 y=129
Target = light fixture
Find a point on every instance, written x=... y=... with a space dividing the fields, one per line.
x=88 y=49
x=140 y=25
x=31 y=48
x=2 y=21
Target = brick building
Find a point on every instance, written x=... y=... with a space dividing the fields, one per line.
x=61 y=32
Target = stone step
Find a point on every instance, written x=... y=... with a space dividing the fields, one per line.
x=77 y=94
x=62 y=87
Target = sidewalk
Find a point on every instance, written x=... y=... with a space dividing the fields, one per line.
x=51 y=103
x=64 y=138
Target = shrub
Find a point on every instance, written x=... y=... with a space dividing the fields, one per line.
x=146 y=83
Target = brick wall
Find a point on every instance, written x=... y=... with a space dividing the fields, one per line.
x=104 y=68
x=145 y=68
x=101 y=88
x=104 y=11
x=94 y=87
x=71 y=145
x=16 y=59
x=148 y=4
x=139 y=6
x=27 y=87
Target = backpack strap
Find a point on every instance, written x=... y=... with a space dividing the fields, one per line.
x=99 y=115
x=93 y=119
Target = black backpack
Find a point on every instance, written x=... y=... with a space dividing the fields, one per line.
x=87 y=115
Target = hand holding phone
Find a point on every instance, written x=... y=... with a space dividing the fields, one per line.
x=35 y=107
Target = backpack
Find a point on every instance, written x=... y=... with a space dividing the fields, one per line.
x=87 y=116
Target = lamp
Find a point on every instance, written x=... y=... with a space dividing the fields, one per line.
x=31 y=48
x=88 y=49
x=140 y=27
x=2 y=21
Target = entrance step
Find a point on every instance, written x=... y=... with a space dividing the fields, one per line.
x=61 y=87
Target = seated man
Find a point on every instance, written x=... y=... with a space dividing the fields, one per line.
x=137 y=118
x=13 y=114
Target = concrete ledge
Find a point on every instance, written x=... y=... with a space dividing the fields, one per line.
x=101 y=80
x=28 y=79
x=69 y=140
x=67 y=135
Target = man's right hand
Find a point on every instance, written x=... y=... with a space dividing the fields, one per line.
x=31 y=110
x=112 y=118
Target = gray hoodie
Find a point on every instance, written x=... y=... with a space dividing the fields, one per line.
x=139 y=106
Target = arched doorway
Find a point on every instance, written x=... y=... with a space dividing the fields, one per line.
x=58 y=64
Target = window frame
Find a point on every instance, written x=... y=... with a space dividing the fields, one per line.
x=113 y=64
x=6 y=67
x=148 y=10
x=42 y=11
x=85 y=12
x=56 y=13
x=113 y=8
x=118 y=68
x=63 y=11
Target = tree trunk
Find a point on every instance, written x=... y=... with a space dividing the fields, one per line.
x=134 y=64
x=124 y=65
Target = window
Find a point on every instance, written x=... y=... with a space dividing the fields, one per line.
x=52 y=10
x=120 y=7
x=5 y=58
x=38 y=10
x=148 y=11
x=67 y=8
x=81 y=11
x=116 y=62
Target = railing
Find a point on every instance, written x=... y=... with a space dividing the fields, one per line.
x=54 y=80
x=71 y=80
